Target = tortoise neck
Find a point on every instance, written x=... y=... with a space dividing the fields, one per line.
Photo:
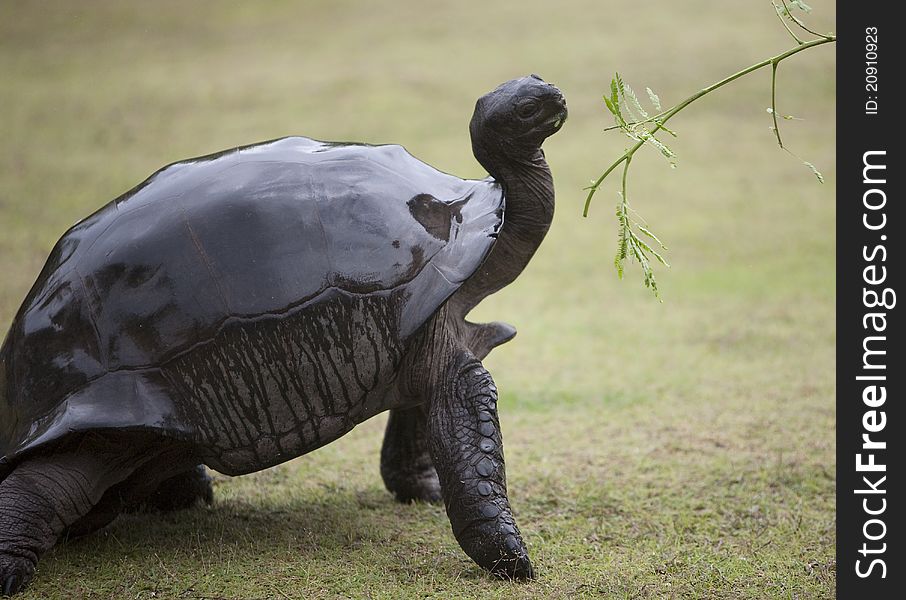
x=528 y=190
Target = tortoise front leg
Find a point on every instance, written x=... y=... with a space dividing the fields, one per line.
x=406 y=465
x=467 y=448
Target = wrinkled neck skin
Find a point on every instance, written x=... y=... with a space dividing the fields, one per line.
x=529 y=196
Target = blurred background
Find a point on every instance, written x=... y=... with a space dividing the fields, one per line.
x=675 y=449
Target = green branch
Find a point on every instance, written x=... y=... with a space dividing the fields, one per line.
x=659 y=123
x=633 y=120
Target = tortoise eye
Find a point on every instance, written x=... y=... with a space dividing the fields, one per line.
x=527 y=108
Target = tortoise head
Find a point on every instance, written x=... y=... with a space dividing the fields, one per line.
x=517 y=117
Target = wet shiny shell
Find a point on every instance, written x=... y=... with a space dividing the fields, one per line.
x=255 y=233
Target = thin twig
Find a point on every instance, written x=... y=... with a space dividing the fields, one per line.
x=779 y=12
x=677 y=108
x=774 y=102
x=798 y=22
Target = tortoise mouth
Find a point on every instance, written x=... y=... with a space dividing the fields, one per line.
x=555 y=122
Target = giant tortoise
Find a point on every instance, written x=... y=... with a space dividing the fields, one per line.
x=240 y=309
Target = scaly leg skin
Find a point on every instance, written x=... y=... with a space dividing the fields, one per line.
x=180 y=491
x=104 y=513
x=406 y=465
x=467 y=448
x=41 y=498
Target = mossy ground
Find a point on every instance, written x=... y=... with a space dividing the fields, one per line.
x=675 y=450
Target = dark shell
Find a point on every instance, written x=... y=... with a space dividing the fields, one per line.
x=250 y=232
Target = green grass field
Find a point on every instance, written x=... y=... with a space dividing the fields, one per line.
x=675 y=450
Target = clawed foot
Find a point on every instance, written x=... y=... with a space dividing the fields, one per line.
x=406 y=465
x=15 y=573
x=517 y=569
x=422 y=488
x=497 y=546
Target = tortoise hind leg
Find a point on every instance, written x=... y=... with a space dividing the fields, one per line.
x=102 y=514
x=406 y=465
x=183 y=490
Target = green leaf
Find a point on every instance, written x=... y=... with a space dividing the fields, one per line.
x=622 y=238
x=646 y=248
x=621 y=89
x=654 y=98
x=646 y=266
x=621 y=254
x=648 y=232
x=617 y=115
x=801 y=5
x=631 y=246
x=619 y=82
x=667 y=152
x=635 y=101
x=814 y=170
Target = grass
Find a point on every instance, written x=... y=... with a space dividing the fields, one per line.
x=676 y=450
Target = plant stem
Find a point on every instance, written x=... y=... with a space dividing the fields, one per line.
x=774 y=102
x=798 y=22
x=625 y=172
x=627 y=155
x=782 y=20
